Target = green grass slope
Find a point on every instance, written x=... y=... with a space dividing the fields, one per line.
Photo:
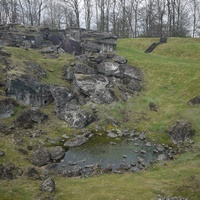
x=172 y=78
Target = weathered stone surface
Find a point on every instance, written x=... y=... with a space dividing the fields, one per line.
x=68 y=74
x=7 y=107
x=132 y=72
x=40 y=157
x=120 y=59
x=27 y=91
x=78 y=118
x=97 y=75
x=68 y=108
x=91 y=84
x=91 y=46
x=195 y=101
x=35 y=68
x=80 y=68
x=109 y=69
x=71 y=46
x=55 y=38
x=181 y=131
x=28 y=117
x=61 y=95
x=48 y=185
x=9 y=171
x=96 y=57
x=2 y=153
x=5 y=174
x=162 y=157
x=49 y=50
x=135 y=85
x=77 y=141
x=112 y=135
x=153 y=107
x=95 y=87
x=142 y=136
x=56 y=153
x=32 y=173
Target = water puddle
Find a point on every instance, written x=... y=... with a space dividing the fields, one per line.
x=126 y=155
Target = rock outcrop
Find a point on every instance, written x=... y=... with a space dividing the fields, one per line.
x=181 y=131
x=195 y=101
x=7 y=107
x=28 y=117
x=40 y=157
x=77 y=141
x=48 y=185
x=56 y=153
x=73 y=40
x=97 y=76
x=28 y=91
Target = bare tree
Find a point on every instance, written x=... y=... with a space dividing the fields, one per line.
x=53 y=15
x=195 y=11
x=160 y=6
x=88 y=13
x=132 y=12
x=75 y=7
x=8 y=11
x=148 y=18
x=102 y=15
x=178 y=17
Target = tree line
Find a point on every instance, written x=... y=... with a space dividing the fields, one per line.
x=124 y=18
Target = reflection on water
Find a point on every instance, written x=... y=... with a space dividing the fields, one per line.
x=134 y=153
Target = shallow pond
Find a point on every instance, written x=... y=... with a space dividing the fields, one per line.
x=133 y=153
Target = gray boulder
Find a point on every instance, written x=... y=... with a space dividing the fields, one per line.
x=7 y=107
x=81 y=68
x=56 y=153
x=35 y=68
x=120 y=59
x=61 y=95
x=32 y=173
x=103 y=96
x=79 y=118
x=153 y=107
x=28 y=117
x=135 y=85
x=40 y=157
x=106 y=41
x=6 y=173
x=91 y=84
x=77 y=141
x=55 y=38
x=28 y=91
x=71 y=46
x=109 y=69
x=181 y=131
x=2 y=153
x=68 y=74
x=95 y=87
x=132 y=72
x=68 y=108
x=91 y=46
x=48 y=185
x=195 y=101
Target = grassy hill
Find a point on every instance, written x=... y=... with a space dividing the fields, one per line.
x=172 y=78
x=172 y=74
